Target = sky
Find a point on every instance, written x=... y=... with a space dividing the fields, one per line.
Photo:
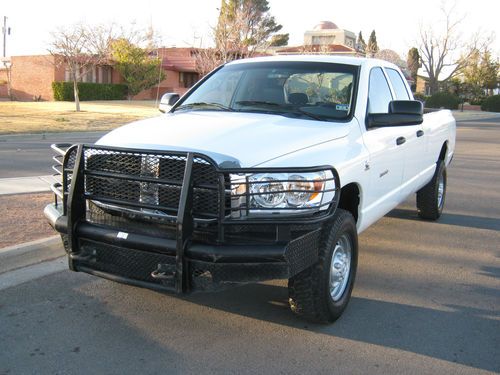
x=188 y=22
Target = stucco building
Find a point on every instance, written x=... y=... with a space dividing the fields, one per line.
x=325 y=38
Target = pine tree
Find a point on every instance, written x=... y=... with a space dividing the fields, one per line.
x=372 y=47
x=413 y=62
x=361 y=44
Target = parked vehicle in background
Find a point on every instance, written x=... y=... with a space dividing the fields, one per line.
x=267 y=168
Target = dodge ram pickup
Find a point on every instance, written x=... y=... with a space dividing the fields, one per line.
x=268 y=168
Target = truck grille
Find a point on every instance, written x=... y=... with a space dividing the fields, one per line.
x=149 y=183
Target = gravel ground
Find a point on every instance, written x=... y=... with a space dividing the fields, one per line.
x=22 y=218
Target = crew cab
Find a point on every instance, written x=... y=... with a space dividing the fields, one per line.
x=268 y=168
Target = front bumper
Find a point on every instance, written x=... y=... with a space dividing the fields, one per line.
x=151 y=262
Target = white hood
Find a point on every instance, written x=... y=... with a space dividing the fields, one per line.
x=231 y=139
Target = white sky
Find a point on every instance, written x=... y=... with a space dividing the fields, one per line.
x=186 y=22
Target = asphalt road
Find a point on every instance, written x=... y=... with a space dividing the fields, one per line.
x=426 y=301
x=30 y=155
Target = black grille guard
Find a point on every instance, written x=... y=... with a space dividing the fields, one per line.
x=77 y=189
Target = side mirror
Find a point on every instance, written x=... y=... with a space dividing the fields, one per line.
x=167 y=101
x=401 y=113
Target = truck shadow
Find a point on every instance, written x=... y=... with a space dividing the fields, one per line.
x=451 y=219
x=460 y=334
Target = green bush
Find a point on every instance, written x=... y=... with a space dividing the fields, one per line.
x=63 y=91
x=491 y=104
x=443 y=100
x=420 y=97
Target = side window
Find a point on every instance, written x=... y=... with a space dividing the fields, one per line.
x=379 y=94
x=398 y=84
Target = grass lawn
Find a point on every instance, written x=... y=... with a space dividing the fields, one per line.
x=43 y=117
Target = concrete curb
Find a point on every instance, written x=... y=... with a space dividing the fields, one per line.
x=474 y=115
x=30 y=253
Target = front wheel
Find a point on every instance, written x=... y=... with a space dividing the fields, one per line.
x=430 y=199
x=321 y=292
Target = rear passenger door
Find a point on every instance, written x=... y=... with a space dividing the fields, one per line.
x=414 y=146
x=386 y=156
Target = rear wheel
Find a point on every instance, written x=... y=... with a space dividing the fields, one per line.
x=321 y=292
x=430 y=199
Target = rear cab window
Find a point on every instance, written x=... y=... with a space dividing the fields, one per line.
x=397 y=84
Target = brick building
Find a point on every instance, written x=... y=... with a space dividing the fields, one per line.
x=179 y=66
x=32 y=76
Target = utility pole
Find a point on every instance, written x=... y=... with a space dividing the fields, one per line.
x=4 y=30
x=7 y=63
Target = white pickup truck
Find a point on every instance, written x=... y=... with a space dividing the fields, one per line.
x=268 y=168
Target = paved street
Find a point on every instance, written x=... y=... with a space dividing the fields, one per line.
x=30 y=155
x=426 y=301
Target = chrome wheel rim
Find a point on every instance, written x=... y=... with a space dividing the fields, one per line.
x=340 y=267
x=440 y=195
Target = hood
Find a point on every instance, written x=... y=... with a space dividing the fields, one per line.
x=231 y=139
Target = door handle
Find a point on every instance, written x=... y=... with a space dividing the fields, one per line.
x=420 y=133
x=400 y=141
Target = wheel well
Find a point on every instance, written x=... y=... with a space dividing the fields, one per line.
x=349 y=199
x=442 y=155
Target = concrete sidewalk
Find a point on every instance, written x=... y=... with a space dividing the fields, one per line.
x=19 y=185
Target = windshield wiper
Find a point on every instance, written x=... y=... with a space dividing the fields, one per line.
x=298 y=111
x=204 y=104
x=258 y=103
x=286 y=109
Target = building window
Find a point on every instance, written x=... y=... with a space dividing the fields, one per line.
x=67 y=75
x=187 y=80
x=320 y=39
x=104 y=74
x=88 y=75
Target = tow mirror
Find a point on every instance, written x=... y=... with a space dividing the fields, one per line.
x=167 y=101
x=401 y=113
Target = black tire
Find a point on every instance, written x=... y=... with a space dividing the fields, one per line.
x=309 y=291
x=430 y=200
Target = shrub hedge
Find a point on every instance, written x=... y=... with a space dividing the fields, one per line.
x=443 y=100
x=63 y=91
x=491 y=104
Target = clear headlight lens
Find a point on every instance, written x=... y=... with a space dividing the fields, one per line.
x=268 y=190
x=271 y=193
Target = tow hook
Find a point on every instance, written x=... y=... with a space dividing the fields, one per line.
x=164 y=272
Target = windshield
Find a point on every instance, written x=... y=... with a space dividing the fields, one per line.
x=317 y=91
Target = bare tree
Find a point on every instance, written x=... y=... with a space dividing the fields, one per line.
x=391 y=56
x=446 y=49
x=80 y=48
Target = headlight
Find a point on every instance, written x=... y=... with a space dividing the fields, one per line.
x=267 y=190
x=283 y=193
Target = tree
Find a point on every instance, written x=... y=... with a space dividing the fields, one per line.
x=279 y=40
x=391 y=56
x=79 y=48
x=413 y=62
x=480 y=74
x=138 y=67
x=361 y=44
x=490 y=70
x=372 y=47
x=447 y=49
x=243 y=28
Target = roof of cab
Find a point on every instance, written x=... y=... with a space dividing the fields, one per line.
x=358 y=61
